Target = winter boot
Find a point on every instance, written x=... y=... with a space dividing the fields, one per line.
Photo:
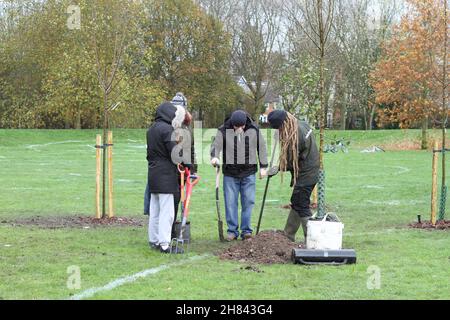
x=292 y=224
x=304 y=221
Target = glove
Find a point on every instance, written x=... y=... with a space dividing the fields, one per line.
x=215 y=162
x=263 y=172
x=273 y=171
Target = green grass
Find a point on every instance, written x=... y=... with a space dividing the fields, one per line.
x=376 y=195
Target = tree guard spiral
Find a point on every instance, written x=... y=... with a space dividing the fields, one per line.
x=321 y=195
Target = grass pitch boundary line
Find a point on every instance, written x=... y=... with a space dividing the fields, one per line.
x=89 y=293
x=375 y=233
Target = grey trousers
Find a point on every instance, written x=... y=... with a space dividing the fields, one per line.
x=161 y=218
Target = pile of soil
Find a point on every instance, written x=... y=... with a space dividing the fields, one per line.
x=440 y=225
x=84 y=222
x=268 y=247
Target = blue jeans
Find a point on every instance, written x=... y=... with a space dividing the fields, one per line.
x=232 y=187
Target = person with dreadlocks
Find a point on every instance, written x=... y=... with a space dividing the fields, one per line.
x=298 y=155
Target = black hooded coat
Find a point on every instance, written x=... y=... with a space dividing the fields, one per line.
x=161 y=141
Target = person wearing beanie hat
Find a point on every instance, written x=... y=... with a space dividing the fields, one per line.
x=162 y=174
x=238 y=118
x=240 y=142
x=298 y=155
x=178 y=100
x=276 y=118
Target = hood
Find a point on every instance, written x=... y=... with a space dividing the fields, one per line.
x=173 y=115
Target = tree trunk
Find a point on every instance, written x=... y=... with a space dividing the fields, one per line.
x=78 y=120
x=424 y=144
x=444 y=96
x=372 y=116
x=67 y=120
x=343 y=116
x=105 y=125
x=366 y=124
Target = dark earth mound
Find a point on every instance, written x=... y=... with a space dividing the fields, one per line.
x=267 y=247
x=84 y=222
x=440 y=225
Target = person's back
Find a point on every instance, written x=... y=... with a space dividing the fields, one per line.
x=308 y=155
x=162 y=174
x=160 y=143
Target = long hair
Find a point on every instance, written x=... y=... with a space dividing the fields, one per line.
x=289 y=146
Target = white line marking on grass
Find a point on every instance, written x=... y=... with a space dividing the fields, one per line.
x=127 y=181
x=32 y=146
x=89 y=293
x=375 y=233
x=401 y=170
x=396 y=202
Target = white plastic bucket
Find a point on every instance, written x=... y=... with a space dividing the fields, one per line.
x=324 y=235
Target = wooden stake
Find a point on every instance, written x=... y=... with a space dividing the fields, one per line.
x=98 y=155
x=110 y=175
x=434 y=184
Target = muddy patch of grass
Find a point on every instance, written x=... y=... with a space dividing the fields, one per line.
x=83 y=222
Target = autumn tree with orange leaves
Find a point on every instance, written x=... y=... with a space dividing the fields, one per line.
x=406 y=79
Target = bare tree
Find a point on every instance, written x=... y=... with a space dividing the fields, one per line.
x=315 y=19
x=223 y=10
x=443 y=83
x=361 y=26
x=254 y=38
x=109 y=31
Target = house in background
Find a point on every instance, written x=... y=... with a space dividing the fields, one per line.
x=272 y=100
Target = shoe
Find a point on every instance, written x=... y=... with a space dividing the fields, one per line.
x=231 y=237
x=304 y=221
x=247 y=236
x=292 y=225
x=154 y=246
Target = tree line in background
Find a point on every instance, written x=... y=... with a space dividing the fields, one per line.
x=344 y=64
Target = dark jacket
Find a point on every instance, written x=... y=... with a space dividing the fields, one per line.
x=162 y=171
x=308 y=156
x=239 y=152
x=192 y=160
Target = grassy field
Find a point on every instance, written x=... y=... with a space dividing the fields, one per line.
x=52 y=173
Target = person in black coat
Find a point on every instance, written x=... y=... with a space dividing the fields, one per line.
x=240 y=142
x=298 y=155
x=178 y=100
x=163 y=183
